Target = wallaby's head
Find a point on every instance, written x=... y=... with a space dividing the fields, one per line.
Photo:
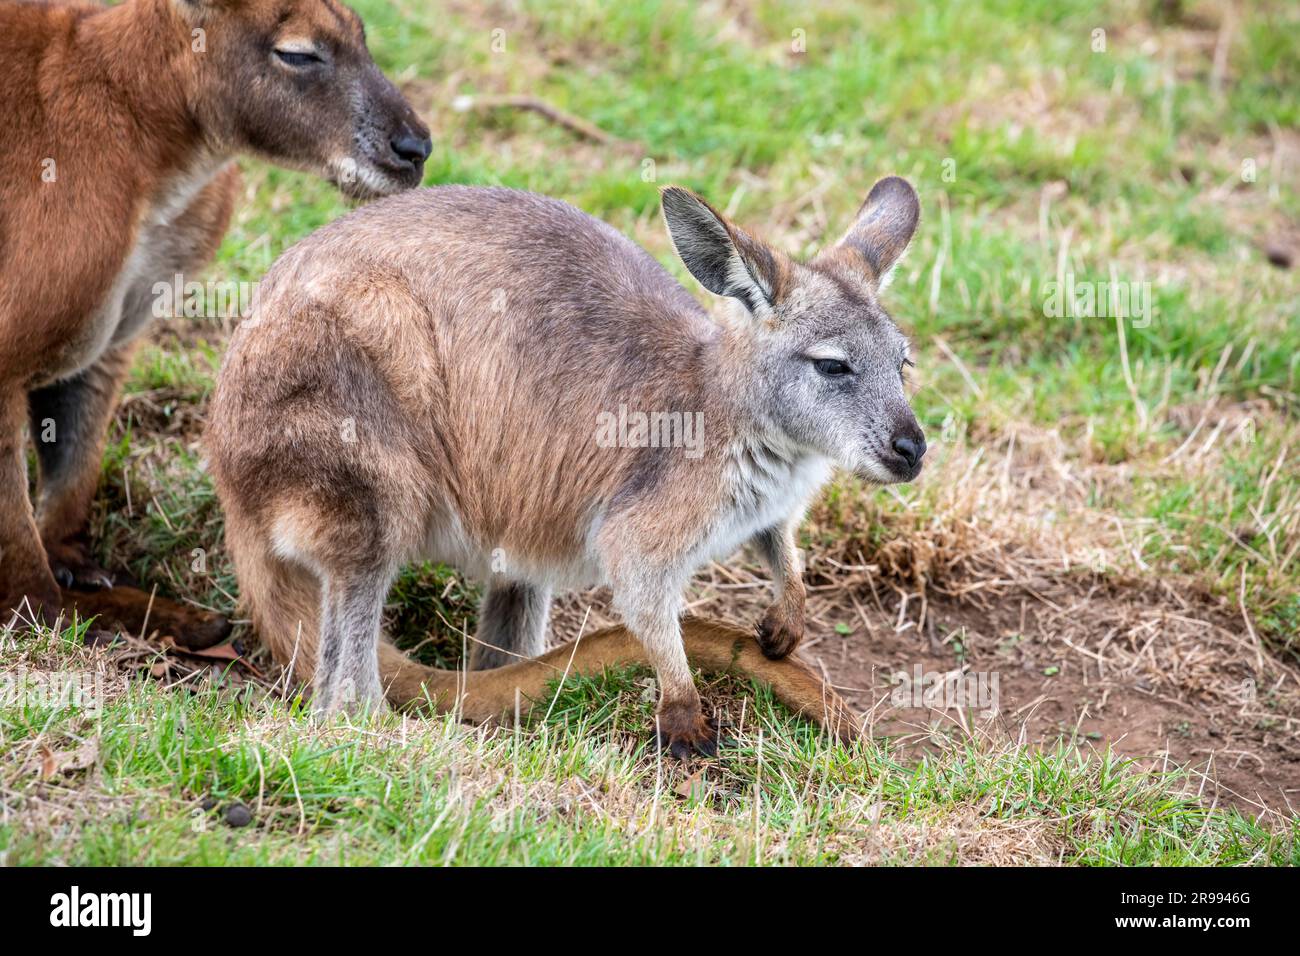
x=293 y=82
x=827 y=366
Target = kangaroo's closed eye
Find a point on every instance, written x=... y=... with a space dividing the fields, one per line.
x=298 y=58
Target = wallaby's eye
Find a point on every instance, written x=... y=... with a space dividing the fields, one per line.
x=832 y=368
x=298 y=59
x=907 y=363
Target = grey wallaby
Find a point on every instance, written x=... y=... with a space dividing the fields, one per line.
x=496 y=380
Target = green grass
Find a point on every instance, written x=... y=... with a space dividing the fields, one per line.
x=1032 y=154
x=579 y=788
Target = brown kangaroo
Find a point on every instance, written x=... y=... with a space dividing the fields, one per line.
x=497 y=380
x=118 y=129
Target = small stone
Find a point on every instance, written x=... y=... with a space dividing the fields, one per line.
x=238 y=815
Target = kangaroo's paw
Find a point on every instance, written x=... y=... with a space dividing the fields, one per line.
x=35 y=604
x=136 y=611
x=76 y=570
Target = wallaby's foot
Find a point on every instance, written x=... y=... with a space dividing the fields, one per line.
x=128 y=609
x=75 y=569
x=780 y=631
x=98 y=637
x=684 y=730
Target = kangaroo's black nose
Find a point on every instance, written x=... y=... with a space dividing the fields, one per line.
x=411 y=148
x=910 y=449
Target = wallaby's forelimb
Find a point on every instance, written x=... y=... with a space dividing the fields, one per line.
x=346 y=674
x=69 y=428
x=781 y=629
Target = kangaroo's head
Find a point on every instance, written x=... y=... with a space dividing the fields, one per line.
x=827 y=360
x=293 y=82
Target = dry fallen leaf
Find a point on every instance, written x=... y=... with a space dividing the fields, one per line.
x=56 y=762
x=691 y=787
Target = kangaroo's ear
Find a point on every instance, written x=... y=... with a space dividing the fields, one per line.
x=884 y=226
x=194 y=11
x=724 y=259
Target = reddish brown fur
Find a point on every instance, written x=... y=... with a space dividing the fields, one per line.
x=117 y=134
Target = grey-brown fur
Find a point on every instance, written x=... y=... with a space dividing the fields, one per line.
x=424 y=379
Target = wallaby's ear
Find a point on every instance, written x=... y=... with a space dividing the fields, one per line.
x=724 y=259
x=884 y=225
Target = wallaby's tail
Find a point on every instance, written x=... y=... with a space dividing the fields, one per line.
x=710 y=645
x=283 y=601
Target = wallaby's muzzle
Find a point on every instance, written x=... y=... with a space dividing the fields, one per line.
x=907 y=448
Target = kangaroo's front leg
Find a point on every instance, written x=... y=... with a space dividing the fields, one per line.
x=69 y=426
x=26 y=584
x=347 y=666
x=781 y=629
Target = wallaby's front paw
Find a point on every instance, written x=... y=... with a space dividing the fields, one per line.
x=683 y=731
x=779 y=632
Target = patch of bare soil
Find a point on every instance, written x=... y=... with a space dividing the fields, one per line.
x=1163 y=679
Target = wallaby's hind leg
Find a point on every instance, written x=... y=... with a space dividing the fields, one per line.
x=511 y=624
x=69 y=426
x=347 y=668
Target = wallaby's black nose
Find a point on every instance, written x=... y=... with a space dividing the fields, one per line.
x=910 y=449
x=411 y=148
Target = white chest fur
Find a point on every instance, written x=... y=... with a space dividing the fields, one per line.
x=767 y=484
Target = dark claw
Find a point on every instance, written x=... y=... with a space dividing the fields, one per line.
x=778 y=636
x=84 y=577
